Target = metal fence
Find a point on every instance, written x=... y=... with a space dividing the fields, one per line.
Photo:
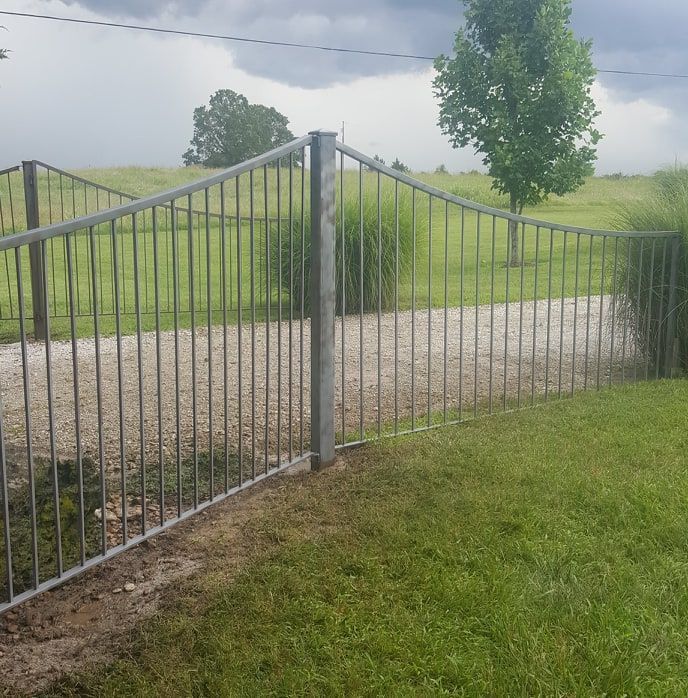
x=36 y=193
x=183 y=373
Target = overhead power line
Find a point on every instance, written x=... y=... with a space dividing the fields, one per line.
x=284 y=44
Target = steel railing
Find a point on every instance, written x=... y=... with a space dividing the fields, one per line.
x=107 y=440
x=462 y=330
x=384 y=306
x=56 y=195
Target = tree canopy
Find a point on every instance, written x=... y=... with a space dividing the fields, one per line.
x=518 y=89
x=230 y=130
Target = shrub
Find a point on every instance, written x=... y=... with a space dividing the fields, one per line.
x=666 y=209
x=349 y=245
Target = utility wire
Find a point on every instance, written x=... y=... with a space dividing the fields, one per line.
x=287 y=44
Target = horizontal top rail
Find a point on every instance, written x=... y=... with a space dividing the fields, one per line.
x=161 y=199
x=489 y=210
x=8 y=170
x=88 y=182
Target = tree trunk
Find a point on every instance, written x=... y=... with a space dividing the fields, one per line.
x=514 y=260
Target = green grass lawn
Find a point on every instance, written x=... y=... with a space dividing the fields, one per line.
x=484 y=274
x=537 y=553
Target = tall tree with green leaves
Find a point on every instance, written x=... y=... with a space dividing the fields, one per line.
x=230 y=130
x=518 y=90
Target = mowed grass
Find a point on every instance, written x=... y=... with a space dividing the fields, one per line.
x=442 y=233
x=537 y=553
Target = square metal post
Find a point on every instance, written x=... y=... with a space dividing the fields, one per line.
x=322 y=290
x=35 y=250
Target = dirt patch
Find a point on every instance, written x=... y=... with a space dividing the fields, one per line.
x=88 y=620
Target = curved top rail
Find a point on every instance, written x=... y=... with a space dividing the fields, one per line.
x=7 y=170
x=87 y=182
x=489 y=210
x=49 y=231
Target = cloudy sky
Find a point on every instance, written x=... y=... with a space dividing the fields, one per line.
x=82 y=96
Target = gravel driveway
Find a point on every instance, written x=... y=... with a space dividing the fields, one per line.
x=469 y=378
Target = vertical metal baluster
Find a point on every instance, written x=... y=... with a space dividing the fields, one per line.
x=302 y=287
x=344 y=290
x=587 y=320
x=9 y=573
x=76 y=252
x=506 y=315
x=123 y=259
x=575 y=316
x=429 y=419
x=599 y=328
x=100 y=258
x=267 y=319
x=99 y=392
x=252 y=262
x=144 y=238
x=52 y=243
x=139 y=347
x=360 y=298
x=492 y=310
x=200 y=258
x=661 y=319
x=120 y=380
x=638 y=304
x=209 y=300
x=51 y=417
x=535 y=309
x=14 y=230
x=446 y=311
x=158 y=365
x=262 y=226
x=7 y=267
x=413 y=316
x=561 y=314
x=396 y=307
x=280 y=285
x=650 y=294
x=291 y=305
x=89 y=287
x=225 y=338
x=379 y=307
x=627 y=292
x=26 y=380
x=112 y=273
x=549 y=312
x=62 y=217
x=461 y=294
x=477 y=315
x=177 y=397
x=613 y=302
x=167 y=256
x=192 y=307
x=520 y=312
x=240 y=305
x=230 y=282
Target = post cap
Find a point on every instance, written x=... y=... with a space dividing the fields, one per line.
x=323 y=132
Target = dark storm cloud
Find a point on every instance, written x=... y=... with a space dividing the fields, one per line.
x=627 y=35
x=638 y=36
x=400 y=26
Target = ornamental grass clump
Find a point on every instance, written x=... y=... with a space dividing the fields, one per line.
x=647 y=266
x=364 y=278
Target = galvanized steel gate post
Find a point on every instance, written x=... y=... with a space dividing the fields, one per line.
x=322 y=290
x=35 y=249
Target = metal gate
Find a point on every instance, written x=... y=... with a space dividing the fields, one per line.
x=162 y=354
